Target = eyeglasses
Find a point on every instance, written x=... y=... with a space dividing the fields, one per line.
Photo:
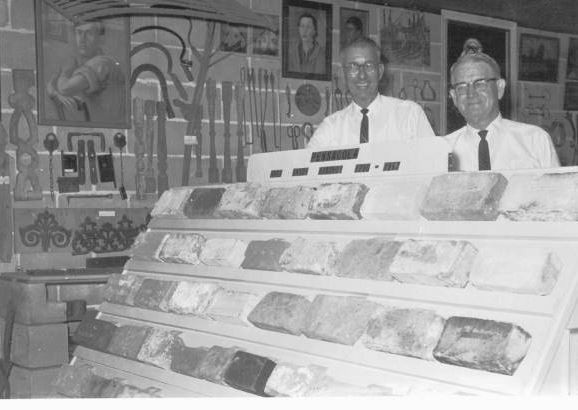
x=479 y=85
x=353 y=68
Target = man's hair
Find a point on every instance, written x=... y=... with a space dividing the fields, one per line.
x=355 y=22
x=99 y=25
x=473 y=51
x=310 y=16
x=361 y=42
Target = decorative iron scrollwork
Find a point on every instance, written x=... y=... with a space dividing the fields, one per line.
x=45 y=231
x=105 y=238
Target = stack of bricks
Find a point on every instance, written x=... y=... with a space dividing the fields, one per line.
x=44 y=314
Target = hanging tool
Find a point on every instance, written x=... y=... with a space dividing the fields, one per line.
x=92 y=162
x=240 y=171
x=51 y=145
x=263 y=134
x=337 y=95
x=150 y=180
x=288 y=95
x=211 y=94
x=274 y=95
x=162 y=165
x=81 y=154
x=279 y=129
x=294 y=132
x=106 y=167
x=227 y=93
x=241 y=102
x=199 y=146
x=327 y=101
x=307 y=132
x=255 y=133
x=119 y=141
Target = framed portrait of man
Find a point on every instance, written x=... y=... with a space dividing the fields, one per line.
x=572 y=67
x=306 y=40
x=352 y=25
x=83 y=70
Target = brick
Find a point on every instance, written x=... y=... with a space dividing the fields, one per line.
x=192 y=298
x=310 y=256
x=152 y=292
x=224 y=252
x=215 y=363
x=497 y=347
x=232 y=307
x=22 y=14
x=464 y=196
x=157 y=349
x=38 y=345
x=367 y=259
x=128 y=340
x=146 y=245
x=249 y=372
x=186 y=360
x=202 y=202
x=181 y=248
x=121 y=288
x=281 y=312
x=287 y=203
x=32 y=307
x=242 y=201
x=172 y=202
x=293 y=381
x=337 y=201
x=94 y=333
x=18 y=51
x=73 y=381
x=265 y=255
x=32 y=383
x=339 y=319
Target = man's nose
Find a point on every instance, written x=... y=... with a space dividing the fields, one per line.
x=471 y=90
x=362 y=73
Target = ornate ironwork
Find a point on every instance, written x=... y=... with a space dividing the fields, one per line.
x=104 y=238
x=45 y=231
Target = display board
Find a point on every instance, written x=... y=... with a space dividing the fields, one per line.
x=497 y=317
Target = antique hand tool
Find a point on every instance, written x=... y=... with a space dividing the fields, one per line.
x=241 y=103
x=150 y=180
x=211 y=94
x=51 y=145
x=337 y=95
x=106 y=167
x=92 y=161
x=85 y=135
x=288 y=95
x=162 y=165
x=81 y=154
x=274 y=96
x=252 y=102
x=327 y=101
x=199 y=147
x=119 y=141
x=227 y=92
x=240 y=171
x=293 y=132
x=307 y=132
x=139 y=146
x=262 y=134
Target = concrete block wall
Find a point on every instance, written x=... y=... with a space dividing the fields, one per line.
x=18 y=51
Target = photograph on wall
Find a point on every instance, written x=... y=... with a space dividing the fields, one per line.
x=572 y=68
x=353 y=24
x=539 y=58
x=405 y=38
x=571 y=96
x=233 y=38
x=306 y=41
x=83 y=71
x=266 y=42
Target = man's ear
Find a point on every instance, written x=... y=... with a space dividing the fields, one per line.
x=381 y=70
x=501 y=83
x=453 y=95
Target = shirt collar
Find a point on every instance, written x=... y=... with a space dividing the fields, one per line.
x=370 y=107
x=474 y=131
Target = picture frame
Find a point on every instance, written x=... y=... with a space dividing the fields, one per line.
x=265 y=42
x=307 y=24
x=353 y=23
x=67 y=57
x=233 y=38
x=538 y=58
x=571 y=96
x=572 y=67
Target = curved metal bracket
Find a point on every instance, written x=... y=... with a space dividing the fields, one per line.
x=155 y=70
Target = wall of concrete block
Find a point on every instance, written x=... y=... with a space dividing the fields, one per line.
x=18 y=51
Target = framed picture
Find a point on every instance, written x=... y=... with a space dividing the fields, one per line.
x=539 y=58
x=233 y=38
x=352 y=25
x=83 y=71
x=572 y=68
x=306 y=42
x=266 y=42
x=571 y=96
x=405 y=38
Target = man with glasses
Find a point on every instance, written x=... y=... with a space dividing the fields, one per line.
x=370 y=116
x=489 y=141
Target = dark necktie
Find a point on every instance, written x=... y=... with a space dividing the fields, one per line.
x=364 y=131
x=483 y=152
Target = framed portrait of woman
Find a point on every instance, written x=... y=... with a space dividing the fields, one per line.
x=306 y=40
x=83 y=70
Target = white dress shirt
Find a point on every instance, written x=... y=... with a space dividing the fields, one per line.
x=513 y=145
x=389 y=119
